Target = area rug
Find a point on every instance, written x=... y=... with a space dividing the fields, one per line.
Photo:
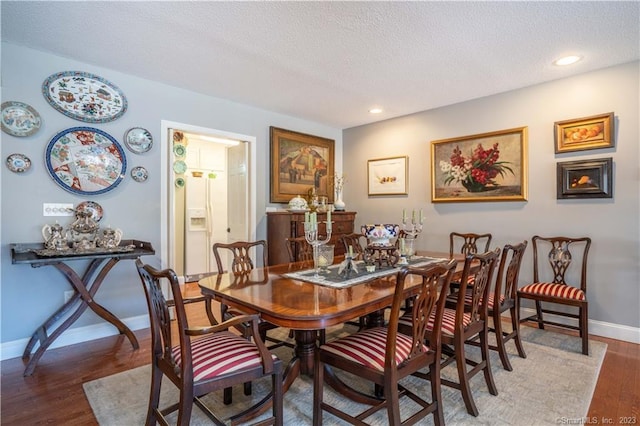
x=555 y=382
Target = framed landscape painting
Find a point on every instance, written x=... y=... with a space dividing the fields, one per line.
x=300 y=163
x=483 y=167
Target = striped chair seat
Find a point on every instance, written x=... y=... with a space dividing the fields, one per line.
x=561 y=291
x=468 y=299
x=220 y=353
x=448 y=321
x=368 y=347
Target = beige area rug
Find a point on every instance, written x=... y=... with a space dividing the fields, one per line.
x=554 y=383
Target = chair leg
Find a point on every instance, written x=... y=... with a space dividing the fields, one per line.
x=186 y=404
x=502 y=350
x=488 y=375
x=247 y=388
x=461 y=363
x=584 y=329
x=227 y=396
x=515 y=324
x=154 y=396
x=436 y=393
x=539 y=315
x=278 y=410
x=318 y=381
x=393 y=403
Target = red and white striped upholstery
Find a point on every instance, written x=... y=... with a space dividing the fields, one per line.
x=220 y=353
x=468 y=300
x=368 y=347
x=448 y=321
x=561 y=291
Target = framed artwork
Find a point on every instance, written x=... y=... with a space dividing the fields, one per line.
x=585 y=133
x=484 y=167
x=585 y=179
x=299 y=164
x=388 y=176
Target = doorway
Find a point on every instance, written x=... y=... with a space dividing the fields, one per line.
x=220 y=161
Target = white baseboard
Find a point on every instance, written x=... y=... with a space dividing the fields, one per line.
x=72 y=336
x=598 y=328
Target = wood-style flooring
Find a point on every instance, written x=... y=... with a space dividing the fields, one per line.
x=54 y=394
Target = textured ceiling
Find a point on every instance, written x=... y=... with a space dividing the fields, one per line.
x=330 y=62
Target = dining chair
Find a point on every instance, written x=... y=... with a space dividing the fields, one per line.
x=299 y=249
x=502 y=298
x=354 y=240
x=384 y=355
x=467 y=243
x=464 y=323
x=204 y=359
x=241 y=262
x=553 y=287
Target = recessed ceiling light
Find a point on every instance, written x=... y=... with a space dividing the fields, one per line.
x=375 y=110
x=567 y=60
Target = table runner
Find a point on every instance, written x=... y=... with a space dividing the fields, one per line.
x=332 y=279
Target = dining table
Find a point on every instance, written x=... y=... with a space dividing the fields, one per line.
x=288 y=295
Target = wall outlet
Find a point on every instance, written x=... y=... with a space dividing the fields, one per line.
x=68 y=295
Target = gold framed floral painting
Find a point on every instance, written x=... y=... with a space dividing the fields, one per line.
x=484 y=167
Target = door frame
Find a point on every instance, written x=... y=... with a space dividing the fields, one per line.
x=167 y=214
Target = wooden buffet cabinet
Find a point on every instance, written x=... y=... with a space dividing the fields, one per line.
x=281 y=225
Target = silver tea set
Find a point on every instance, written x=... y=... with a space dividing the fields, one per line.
x=83 y=234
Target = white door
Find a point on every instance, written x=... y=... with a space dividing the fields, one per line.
x=238 y=192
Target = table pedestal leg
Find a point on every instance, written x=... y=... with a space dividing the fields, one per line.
x=85 y=289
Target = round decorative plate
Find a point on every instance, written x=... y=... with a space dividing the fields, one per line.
x=19 y=119
x=179 y=167
x=84 y=160
x=84 y=96
x=180 y=182
x=179 y=150
x=138 y=140
x=93 y=207
x=18 y=163
x=139 y=174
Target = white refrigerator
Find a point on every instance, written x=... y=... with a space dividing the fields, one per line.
x=206 y=221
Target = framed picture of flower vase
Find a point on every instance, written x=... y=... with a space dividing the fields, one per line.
x=484 y=167
x=388 y=176
x=300 y=163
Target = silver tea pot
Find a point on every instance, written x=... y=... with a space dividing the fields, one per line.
x=110 y=238
x=55 y=237
x=83 y=231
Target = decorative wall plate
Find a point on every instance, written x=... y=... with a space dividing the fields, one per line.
x=19 y=119
x=84 y=96
x=139 y=174
x=179 y=167
x=179 y=150
x=138 y=140
x=93 y=207
x=84 y=160
x=18 y=163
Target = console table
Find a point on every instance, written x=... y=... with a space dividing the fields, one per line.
x=85 y=286
x=281 y=225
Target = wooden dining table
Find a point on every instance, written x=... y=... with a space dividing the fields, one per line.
x=305 y=307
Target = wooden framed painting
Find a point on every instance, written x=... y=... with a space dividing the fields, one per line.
x=300 y=163
x=483 y=167
x=388 y=176
x=585 y=179
x=580 y=134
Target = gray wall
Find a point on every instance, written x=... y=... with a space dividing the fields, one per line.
x=613 y=224
x=30 y=295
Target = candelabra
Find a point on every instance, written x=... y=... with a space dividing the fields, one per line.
x=312 y=237
x=412 y=230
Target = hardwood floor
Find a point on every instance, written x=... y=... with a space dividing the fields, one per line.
x=54 y=394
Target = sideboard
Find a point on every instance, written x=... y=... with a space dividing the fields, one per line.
x=281 y=225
